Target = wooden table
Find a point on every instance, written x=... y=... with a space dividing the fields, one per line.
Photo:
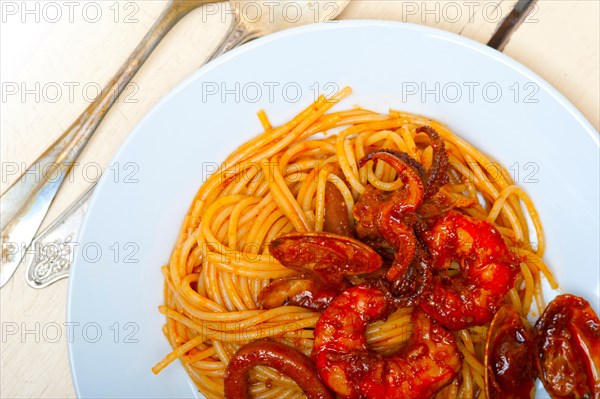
x=559 y=41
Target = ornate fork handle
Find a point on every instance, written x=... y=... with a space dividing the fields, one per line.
x=53 y=249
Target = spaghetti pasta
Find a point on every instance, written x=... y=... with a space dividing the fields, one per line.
x=275 y=184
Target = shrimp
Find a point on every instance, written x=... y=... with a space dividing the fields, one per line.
x=487 y=271
x=346 y=364
x=323 y=261
x=281 y=357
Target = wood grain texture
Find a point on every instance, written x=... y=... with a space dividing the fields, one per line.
x=561 y=42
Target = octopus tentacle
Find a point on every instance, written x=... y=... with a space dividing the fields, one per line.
x=437 y=174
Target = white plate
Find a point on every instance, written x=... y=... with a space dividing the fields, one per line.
x=529 y=127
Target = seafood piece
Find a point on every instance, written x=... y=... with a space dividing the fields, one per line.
x=437 y=174
x=309 y=293
x=487 y=271
x=388 y=216
x=509 y=356
x=367 y=213
x=322 y=260
x=336 y=219
x=283 y=358
x=409 y=171
x=346 y=364
x=409 y=290
x=329 y=256
x=568 y=359
x=401 y=236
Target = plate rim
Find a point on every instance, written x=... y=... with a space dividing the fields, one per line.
x=592 y=134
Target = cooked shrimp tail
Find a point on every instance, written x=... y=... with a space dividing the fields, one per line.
x=347 y=365
x=487 y=271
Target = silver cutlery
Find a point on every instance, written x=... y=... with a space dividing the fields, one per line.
x=51 y=256
x=52 y=251
x=24 y=205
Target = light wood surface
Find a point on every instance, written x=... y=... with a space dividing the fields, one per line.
x=560 y=41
